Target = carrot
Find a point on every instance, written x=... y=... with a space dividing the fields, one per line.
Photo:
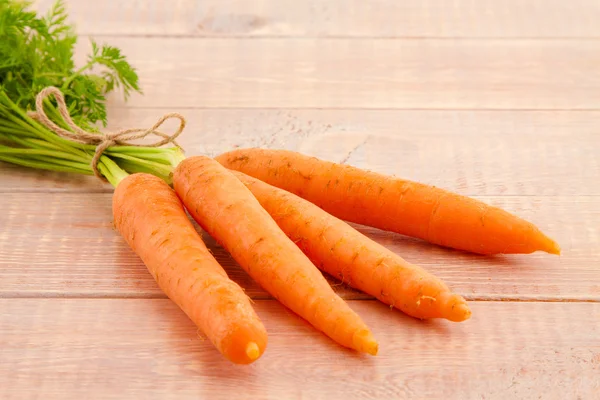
x=393 y=204
x=342 y=251
x=151 y=218
x=228 y=211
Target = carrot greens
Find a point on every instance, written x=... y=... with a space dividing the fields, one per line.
x=37 y=52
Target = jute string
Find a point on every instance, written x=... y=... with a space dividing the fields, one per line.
x=102 y=140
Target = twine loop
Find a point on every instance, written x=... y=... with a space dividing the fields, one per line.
x=102 y=140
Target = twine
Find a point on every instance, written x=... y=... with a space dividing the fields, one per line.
x=102 y=140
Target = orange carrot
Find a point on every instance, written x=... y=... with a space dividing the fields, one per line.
x=342 y=251
x=393 y=204
x=151 y=218
x=228 y=211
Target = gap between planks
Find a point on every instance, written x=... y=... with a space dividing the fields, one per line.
x=315 y=19
x=360 y=297
x=162 y=109
x=339 y=37
x=109 y=190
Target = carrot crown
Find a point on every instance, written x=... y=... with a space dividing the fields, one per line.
x=60 y=135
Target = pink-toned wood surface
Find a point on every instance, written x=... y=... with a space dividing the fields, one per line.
x=63 y=244
x=493 y=99
x=339 y=18
x=363 y=73
x=148 y=349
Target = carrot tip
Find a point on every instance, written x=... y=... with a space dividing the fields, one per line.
x=252 y=351
x=454 y=307
x=365 y=342
x=554 y=249
x=461 y=312
x=545 y=243
x=373 y=348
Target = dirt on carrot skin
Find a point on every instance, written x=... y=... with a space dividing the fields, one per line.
x=409 y=208
x=228 y=211
x=151 y=218
x=342 y=251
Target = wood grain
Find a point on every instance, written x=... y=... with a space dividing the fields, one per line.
x=338 y=18
x=112 y=349
x=470 y=152
x=63 y=244
x=363 y=73
x=493 y=99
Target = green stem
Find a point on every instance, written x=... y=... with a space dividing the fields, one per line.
x=59 y=74
x=42 y=152
x=134 y=168
x=159 y=159
x=31 y=144
x=30 y=124
x=111 y=171
x=26 y=142
x=37 y=143
x=139 y=150
x=21 y=124
x=42 y=135
x=15 y=130
x=68 y=81
x=152 y=166
x=178 y=158
x=55 y=115
x=32 y=163
x=170 y=156
x=39 y=130
x=66 y=163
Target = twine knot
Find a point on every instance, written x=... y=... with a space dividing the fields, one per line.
x=102 y=140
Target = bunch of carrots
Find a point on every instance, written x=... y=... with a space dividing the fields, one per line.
x=280 y=214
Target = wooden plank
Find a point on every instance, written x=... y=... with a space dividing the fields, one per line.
x=112 y=349
x=338 y=18
x=470 y=152
x=63 y=244
x=181 y=73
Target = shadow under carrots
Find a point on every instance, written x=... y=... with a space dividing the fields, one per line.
x=287 y=333
x=195 y=354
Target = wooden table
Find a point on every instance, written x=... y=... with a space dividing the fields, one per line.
x=499 y=100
